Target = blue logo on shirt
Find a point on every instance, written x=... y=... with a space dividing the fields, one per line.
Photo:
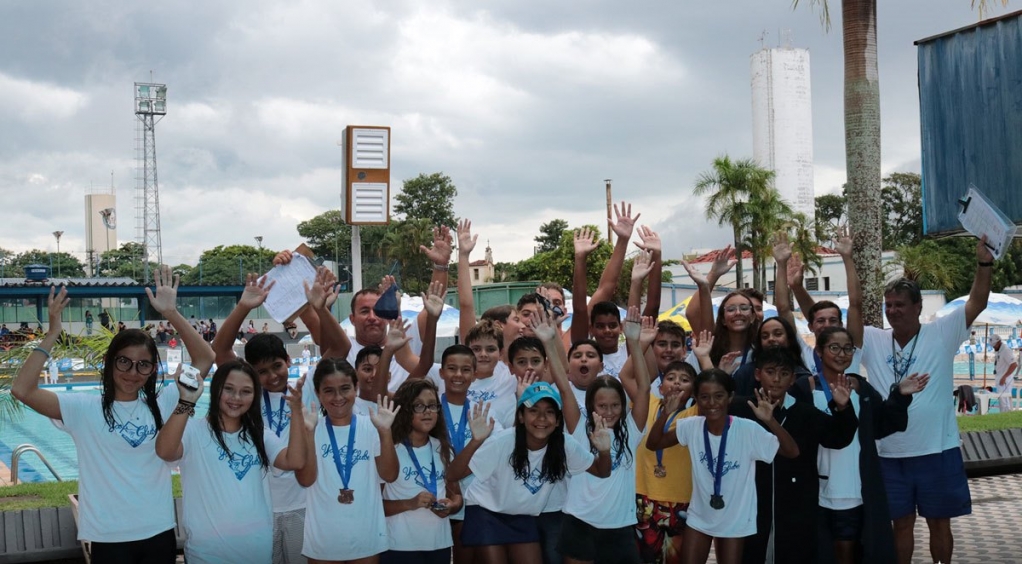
x=359 y=454
x=409 y=473
x=134 y=434
x=534 y=481
x=729 y=465
x=481 y=396
x=239 y=463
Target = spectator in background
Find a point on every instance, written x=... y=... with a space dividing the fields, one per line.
x=104 y=320
x=88 y=322
x=1005 y=366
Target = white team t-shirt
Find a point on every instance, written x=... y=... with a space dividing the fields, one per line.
x=498 y=390
x=419 y=529
x=285 y=491
x=747 y=442
x=606 y=503
x=226 y=497
x=497 y=489
x=615 y=361
x=326 y=519
x=840 y=480
x=931 y=415
x=398 y=374
x=119 y=471
x=466 y=435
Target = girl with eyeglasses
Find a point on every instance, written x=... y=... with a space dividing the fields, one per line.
x=419 y=503
x=854 y=524
x=733 y=334
x=126 y=508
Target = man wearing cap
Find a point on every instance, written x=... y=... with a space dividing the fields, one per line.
x=922 y=466
x=1005 y=367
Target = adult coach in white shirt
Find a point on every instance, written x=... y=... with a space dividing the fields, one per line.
x=1005 y=366
x=922 y=467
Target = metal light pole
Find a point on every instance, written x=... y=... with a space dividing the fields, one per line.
x=259 y=241
x=57 y=234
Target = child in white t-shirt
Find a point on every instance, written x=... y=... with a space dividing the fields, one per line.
x=225 y=463
x=353 y=455
x=724 y=450
x=515 y=472
x=120 y=473
x=419 y=503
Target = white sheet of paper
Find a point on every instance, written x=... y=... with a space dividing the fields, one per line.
x=288 y=294
x=982 y=217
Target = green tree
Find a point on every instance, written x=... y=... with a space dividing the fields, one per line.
x=903 y=209
x=550 y=234
x=804 y=236
x=558 y=265
x=401 y=244
x=65 y=263
x=862 y=142
x=831 y=213
x=224 y=266
x=327 y=235
x=730 y=185
x=933 y=267
x=125 y=262
x=428 y=196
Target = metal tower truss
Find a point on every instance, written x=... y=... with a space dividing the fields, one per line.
x=150 y=107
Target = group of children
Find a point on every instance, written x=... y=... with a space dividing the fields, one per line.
x=519 y=446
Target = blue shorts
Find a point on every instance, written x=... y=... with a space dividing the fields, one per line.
x=843 y=524
x=933 y=483
x=487 y=528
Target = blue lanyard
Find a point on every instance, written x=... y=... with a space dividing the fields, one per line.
x=745 y=355
x=269 y=414
x=824 y=386
x=343 y=469
x=660 y=451
x=430 y=482
x=716 y=470
x=455 y=432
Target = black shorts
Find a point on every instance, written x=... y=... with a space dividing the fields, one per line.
x=159 y=548
x=843 y=524
x=483 y=527
x=582 y=541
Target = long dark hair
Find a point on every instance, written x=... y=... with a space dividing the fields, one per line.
x=122 y=340
x=789 y=333
x=555 y=464
x=721 y=334
x=621 y=427
x=251 y=420
x=402 y=427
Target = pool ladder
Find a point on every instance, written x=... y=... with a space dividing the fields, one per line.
x=29 y=448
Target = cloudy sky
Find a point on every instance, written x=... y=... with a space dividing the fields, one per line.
x=527 y=105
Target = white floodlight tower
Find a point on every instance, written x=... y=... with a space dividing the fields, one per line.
x=150 y=107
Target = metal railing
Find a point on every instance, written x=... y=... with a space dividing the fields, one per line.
x=21 y=449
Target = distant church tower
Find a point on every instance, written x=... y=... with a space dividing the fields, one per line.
x=782 y=123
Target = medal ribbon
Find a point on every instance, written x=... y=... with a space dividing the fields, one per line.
x=455 y=432
x=822 y=382
x=344 y=470
x=716 y=470
x=660 y=451
x=269 y=414
x=430 y=482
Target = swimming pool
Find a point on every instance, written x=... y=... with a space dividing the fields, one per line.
x=55 y=444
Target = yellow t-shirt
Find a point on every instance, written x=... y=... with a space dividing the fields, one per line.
x=676 y=486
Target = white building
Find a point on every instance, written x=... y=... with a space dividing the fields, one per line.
x=782 y=122
x=100 y=227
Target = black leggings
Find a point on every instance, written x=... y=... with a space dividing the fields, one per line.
x=160 y=549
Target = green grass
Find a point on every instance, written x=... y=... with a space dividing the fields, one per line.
x=990 y=422
x=48 y=494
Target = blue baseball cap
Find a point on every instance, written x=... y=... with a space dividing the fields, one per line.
x=539 y=391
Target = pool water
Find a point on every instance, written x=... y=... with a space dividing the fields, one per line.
x=55 y=444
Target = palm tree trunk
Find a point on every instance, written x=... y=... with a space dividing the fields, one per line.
x=739 y=278
x=862 y=149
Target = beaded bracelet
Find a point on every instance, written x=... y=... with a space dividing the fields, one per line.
x=185 y=407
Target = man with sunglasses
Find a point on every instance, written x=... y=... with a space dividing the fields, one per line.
x=922 y=467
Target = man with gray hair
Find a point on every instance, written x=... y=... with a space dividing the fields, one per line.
x=922 y=467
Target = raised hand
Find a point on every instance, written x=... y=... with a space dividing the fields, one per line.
x=466 y=240
x=723 y=262
x=397 y=334
x=782 y=248
x=729 y=362
x=256 y=290
x=702 y=344
x=633 y=324
x=440 y=252
x=763 y=408
x=647 y=331
x=697 y=277
x=625 y=222
x=672 y=403
x=294 y=395
x=601 y=437
x=316 y=293
x=185 y=393
x=433 y=299
x=983 y=252
x=795 y=271
x=310 y=415
x=543 y=326
x=642 y=265
x=843 y=245
x=383 y=416
x=481 y=423
x=585 y=242
x=530 y=378
x=283 y=257
x=913 y=384
x=841 y=391
x=55 y=304
x=648 y=240
x=166 y=284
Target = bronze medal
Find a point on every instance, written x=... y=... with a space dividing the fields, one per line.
x=717 y=501
x=346 y=497
x=659 y=471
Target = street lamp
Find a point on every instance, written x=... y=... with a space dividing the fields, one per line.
x=57 y=234
x=259 y=241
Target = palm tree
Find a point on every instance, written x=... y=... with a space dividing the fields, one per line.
x=766 y=212
x=805 y=236
x=730 y=186
x=862 y=142
x=929 y=265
